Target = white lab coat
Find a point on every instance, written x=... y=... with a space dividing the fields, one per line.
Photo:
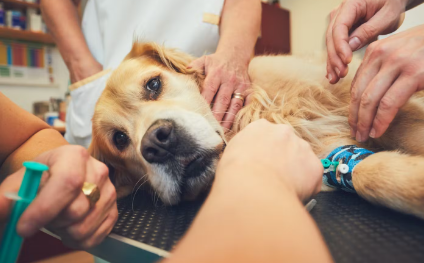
x=110 y=26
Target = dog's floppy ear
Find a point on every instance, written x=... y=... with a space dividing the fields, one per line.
x=171 y=58
x=119 y=178
x=94 y=151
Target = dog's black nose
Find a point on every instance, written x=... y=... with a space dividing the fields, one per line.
x=158 y=142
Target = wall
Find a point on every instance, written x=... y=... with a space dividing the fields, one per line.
x=25 y=96
x=309 y=21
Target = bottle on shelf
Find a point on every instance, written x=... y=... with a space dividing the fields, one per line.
x=2 y=22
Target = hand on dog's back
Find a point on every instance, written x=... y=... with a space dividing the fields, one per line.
x=275 y=151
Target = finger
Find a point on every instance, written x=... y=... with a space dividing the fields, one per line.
x=334 y=12
x=98 y=236
x=400 y=92
x=363 y=78
x=97 y=173
x=67 y=169
x=82 y=230
x=198 y=64
x=370 y=30
x=249 y=95
x=103 y=231
x=236 y=104
x=339 y=69
x=331 y=74
x=349 y=14
x=211 y=86
x=235 y=107
x=356 y=75
x=12 y=183
x=353 y=106
x=371 y=98
x=222 y=101
x=75 y=212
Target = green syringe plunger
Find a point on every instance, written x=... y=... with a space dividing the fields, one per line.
x=11 y=242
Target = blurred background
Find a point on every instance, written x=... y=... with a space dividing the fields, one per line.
x=34 y=76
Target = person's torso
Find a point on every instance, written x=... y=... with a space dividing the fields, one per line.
x=111 y=26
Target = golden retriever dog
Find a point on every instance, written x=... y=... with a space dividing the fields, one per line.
x=152 y=125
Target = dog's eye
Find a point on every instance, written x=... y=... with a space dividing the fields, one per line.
x=120 y=140
x=154 y=85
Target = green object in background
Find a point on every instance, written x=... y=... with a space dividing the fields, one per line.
x=11 y=242
x=4 y=71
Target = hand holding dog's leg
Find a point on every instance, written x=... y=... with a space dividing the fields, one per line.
x=259 y=177
x=275 y=149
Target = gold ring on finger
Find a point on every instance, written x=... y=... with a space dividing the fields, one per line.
x=239 y=96
x=92 y=192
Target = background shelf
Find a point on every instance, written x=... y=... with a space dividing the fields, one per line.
x=26 y=83
x=20 y=4
x=39 y=37
x=26 y=35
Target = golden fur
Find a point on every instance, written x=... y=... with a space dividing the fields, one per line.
x=285 y=90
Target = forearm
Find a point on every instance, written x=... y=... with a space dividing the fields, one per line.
x=22 y=137
x=42 y=141
x=248 y=218
x=239 y=27
x=61 y=18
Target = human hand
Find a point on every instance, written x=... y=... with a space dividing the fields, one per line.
x=60 y=204
x=356 y=23
x=226 y=74
x=391 y=72
x=275 y=150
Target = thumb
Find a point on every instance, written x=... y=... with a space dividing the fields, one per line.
x=379 y=24
x=10 y=184
x=198 y=64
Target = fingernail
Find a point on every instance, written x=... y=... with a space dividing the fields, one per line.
x=358 y=136
x=372 y=133
x=337 y=71
x=189 y=67
x=354 y=43
x=352 y=133
x=330 y=77
x=25 y=229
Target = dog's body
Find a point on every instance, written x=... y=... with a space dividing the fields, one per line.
x=151 y=123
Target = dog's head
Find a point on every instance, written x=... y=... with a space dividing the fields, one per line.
x=152 y=124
